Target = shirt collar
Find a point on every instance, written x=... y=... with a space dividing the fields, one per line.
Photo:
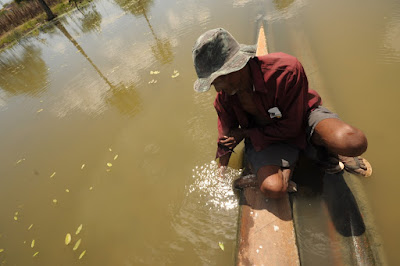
x=257 y=75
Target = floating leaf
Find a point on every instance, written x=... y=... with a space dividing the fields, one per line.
x=68 y=239
x=16 y=213
x=53 y=174
x=82 y=254
x=108 y=170
x=30 y=227
x=79 y=229
x=20 y=161
x=91 y=188
x=15 y=218
x=77 y=244
x=83 y=166
x=1 y=250
x=67 y=190
x=55 y=201
x=39 y=110
x=36 y=253
x=221 y=245
x=109 y=164
x=109 y=149
x=115 y=157
x=33 y=243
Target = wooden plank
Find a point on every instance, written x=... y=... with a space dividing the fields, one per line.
x=265 y=232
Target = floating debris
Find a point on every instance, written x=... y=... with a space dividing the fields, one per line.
x=67 y=190
x=40 y=110
x=154 y=72
x=221 y=245
x=152 y=81
x=55 y=201
x=53 y=174
x=91 y=188
x=15 y=218
x=30 y=227
x=109 y=149
x=108 y=170
x=79 y=229
x=276 y=228
x=77 y=244
x=115 y=157
x=16 y=213
x=36 y=253
x=20 y=161
x=83 y=166
x=1 y=250
x=176 y=73
x=258 y=251
x=68 y=239
x=33 y=243
x=82 y=254
x=109 y=164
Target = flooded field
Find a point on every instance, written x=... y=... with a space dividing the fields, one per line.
x=107 y=152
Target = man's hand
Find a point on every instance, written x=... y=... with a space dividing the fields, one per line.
x=234 y=138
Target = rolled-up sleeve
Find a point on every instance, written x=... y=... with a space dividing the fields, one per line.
x=226 y=122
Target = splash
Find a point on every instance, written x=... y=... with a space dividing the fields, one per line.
x=211 y=188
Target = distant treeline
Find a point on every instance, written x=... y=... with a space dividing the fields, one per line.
x=18 y=13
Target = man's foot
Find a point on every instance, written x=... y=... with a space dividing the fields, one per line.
x=356 y=165
x=292 y=187
x=331 y=165
x=245 y=181
x=251 y=181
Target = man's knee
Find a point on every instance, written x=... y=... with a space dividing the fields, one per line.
x=273 y=181
x=341 y=138
x=351 y=141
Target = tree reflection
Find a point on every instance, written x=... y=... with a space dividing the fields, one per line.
x=24 y=74
x=123 y=97
x=281 y=5
x=91 y=20
x=162 y=49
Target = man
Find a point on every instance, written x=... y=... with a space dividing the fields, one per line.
x=266 y=101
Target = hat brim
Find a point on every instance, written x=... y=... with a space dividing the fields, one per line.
x=237 y=62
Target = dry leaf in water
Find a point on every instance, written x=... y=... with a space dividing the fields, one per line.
x=68 y=239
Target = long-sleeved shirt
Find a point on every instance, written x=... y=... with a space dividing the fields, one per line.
x=279 y=81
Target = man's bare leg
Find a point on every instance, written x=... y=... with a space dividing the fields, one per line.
x=274 y=181
x=344 y=141
x=339 y=138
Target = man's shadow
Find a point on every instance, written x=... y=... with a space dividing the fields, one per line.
x=313 y=183
x=332 y=190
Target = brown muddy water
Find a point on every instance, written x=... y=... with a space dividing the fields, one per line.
x=101 y=126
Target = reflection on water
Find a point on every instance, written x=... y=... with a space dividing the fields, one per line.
x=23 y=71
x=162 y=49
x=282 y=4
x=91 y=19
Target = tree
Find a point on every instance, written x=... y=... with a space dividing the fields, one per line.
x=47 y=9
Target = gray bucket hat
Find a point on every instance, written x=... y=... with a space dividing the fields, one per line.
x=217 y=53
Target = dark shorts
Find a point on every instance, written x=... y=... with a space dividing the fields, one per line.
x=283 y=154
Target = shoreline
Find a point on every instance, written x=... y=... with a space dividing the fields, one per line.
x=32 y=26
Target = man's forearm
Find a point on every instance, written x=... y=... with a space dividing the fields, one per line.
x=224 y=160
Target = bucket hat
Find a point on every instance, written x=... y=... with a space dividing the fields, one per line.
x=217 y=53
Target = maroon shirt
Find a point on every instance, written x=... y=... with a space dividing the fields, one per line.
x=279 y=81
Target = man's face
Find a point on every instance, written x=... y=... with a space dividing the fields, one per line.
x=229 y=83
